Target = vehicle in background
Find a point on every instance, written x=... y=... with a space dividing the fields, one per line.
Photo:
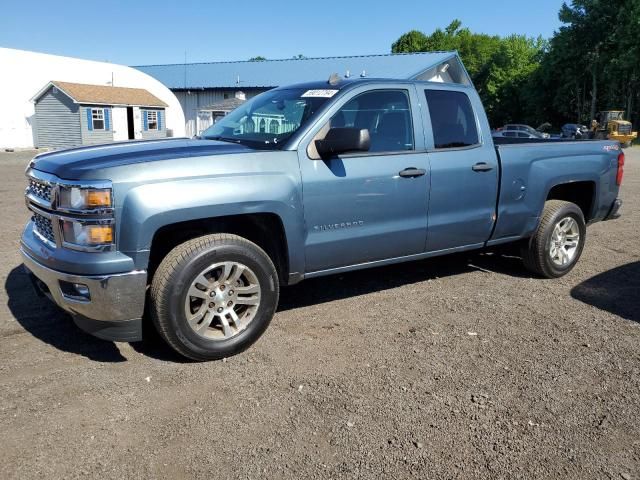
x=515 y=134
x=574 y=131
x=611 y=125
x=516 y=127
x=299 y=182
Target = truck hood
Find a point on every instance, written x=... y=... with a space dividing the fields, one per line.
x=76 y=163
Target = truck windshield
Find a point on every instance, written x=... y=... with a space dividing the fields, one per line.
x=269 y=119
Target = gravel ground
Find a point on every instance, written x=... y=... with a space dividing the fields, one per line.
x=459 y=367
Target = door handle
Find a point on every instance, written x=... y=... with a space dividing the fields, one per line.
x=412 y=172
x=481 y=167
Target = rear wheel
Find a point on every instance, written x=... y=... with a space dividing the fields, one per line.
x=214 y=296
x=558 y=242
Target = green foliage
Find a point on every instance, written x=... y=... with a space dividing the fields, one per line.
x=592 y=63
x=498 y=66
x=259 y=58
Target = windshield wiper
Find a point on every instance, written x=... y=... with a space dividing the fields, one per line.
x=223 y=139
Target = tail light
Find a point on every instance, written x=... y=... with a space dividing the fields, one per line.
x=620 y=169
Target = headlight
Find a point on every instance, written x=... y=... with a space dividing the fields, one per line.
x=84 y=234
x=77 y=198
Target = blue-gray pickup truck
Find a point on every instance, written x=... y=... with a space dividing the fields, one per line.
x=198 y=235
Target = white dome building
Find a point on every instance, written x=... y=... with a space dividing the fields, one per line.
x=26 y=74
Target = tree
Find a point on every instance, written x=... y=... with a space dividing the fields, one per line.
x=498 y=67
x=592 y=63
x=259 y=58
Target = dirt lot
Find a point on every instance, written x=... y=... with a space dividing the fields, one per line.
x=460 y=367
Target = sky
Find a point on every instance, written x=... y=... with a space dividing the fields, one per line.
x=142 y=32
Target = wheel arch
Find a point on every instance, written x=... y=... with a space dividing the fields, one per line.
x=582 y=193
x=264 y=229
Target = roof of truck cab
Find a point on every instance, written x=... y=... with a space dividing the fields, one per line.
x=353 y=82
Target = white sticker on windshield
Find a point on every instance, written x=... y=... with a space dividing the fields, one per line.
x=320 y=93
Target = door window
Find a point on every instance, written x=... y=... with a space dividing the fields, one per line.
x=452 y=119
x=387 y=116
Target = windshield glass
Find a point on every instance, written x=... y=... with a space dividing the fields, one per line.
x=268 y=120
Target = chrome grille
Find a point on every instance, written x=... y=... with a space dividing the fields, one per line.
x=624 y=129
x=43 y=226
x=40 y=190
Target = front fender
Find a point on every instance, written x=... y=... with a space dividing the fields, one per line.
x=149 y=207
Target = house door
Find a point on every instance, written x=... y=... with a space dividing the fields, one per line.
x=204 y=120
x=120 y=124
x=130 y=131
x=137 y=123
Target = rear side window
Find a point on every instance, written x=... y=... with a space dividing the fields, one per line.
x=387 y=116
x=452 y=119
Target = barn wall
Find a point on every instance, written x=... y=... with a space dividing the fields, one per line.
x=192 y=100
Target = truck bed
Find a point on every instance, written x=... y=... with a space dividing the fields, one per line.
x=530 y=168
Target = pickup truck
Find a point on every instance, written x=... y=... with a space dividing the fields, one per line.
x=198 y=235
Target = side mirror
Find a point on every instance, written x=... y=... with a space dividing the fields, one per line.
x=342 y=140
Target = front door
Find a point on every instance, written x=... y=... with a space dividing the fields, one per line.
x=464 y=171
x=131 y=130
x=120 y=124
x=362 y=207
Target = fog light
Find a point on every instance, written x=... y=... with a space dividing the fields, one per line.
x=82 y=290
x=75 y=291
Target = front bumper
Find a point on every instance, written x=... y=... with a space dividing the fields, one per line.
x=107 y=306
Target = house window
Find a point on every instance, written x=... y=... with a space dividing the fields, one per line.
x=97 y=118
x=152 y=120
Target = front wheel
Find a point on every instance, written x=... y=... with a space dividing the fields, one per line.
x=558 y=242
x=213 y=296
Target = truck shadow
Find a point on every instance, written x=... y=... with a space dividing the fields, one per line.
x=42 y=319
x=361 y=282
x=49 y=324
x=615 y=291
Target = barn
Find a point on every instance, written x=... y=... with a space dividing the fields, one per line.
x=71 y=114
x=207 y=90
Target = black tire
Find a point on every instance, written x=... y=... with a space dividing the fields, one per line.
x=173 y=278
x=535 y=251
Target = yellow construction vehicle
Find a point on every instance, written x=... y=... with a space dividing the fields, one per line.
x=611 y=125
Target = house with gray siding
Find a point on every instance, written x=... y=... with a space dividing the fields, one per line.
x=71 y=114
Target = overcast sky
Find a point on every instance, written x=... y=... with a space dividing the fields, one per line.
x=137 y=32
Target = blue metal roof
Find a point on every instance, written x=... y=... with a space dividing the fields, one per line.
x=273 y=73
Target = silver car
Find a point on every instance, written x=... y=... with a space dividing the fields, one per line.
x=520 y=128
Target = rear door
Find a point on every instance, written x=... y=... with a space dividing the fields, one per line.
x=367 y=206
x=464 y=170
